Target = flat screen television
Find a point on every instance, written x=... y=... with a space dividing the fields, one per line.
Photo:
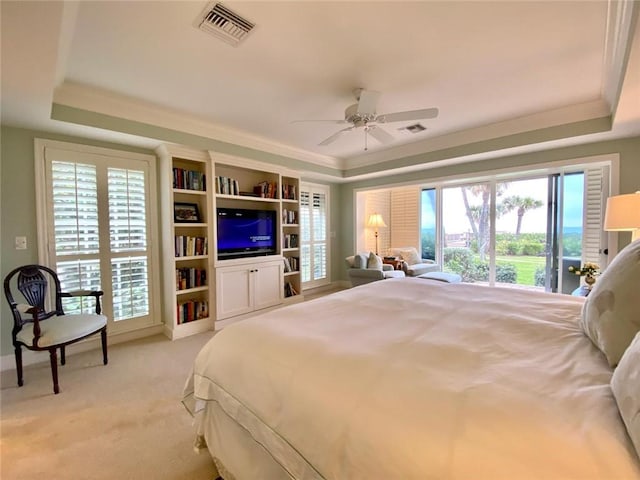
x=246 y=233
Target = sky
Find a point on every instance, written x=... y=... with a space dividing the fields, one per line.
x=534 y=221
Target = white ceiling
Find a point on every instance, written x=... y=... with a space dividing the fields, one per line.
x=492 y=69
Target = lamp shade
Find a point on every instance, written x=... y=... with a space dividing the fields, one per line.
x=623 y=212
x=375 y=220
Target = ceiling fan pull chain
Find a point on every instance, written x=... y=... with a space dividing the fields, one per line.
x=366 y=131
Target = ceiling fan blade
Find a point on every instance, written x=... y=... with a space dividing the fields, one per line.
x=334 y=137
x=380 y=135
x=339 y=122
x=409 y=115
x=367 y=102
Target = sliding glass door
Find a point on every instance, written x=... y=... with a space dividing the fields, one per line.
x=521 y=232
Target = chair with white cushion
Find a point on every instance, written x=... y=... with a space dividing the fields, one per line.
x=414 y=265
x=37 y=329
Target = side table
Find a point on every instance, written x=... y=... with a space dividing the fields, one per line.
x=396 y=262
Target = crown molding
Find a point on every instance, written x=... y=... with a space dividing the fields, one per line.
x=551 y=118
x=108 y=103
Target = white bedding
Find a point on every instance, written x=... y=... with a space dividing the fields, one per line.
x=416 y=379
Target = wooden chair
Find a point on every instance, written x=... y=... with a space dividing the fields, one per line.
x=48 y=330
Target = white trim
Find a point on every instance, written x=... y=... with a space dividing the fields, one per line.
x=107 y=103
x=326 y=190
x=45 y=228
x=30 y=357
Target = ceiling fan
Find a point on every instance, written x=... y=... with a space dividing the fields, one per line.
x=363 y=115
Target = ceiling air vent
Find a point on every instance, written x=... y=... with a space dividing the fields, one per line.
x=221 y=22
x=415 y=128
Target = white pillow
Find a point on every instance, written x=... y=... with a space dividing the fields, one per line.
x=410 y=256
x=360 y=260
x=611 y=313
x=374 y=262
x=625 y=384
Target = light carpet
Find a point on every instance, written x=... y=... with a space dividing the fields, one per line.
x=119 y=421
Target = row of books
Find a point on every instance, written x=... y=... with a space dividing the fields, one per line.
x=190 y=278
x=290 y=240
x=289 y=216
x=192 y=310
x=189 y=180
x=289 y=291
x=289 y=192
x=291 y=264
x=227 y=186
x=186 y=246
x=266 y=189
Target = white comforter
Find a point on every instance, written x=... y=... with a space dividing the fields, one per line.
x=416 y=379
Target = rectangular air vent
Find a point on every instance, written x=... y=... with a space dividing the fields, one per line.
x=415 y=128
x=221 y=22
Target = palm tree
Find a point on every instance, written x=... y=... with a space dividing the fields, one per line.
x=521 y=205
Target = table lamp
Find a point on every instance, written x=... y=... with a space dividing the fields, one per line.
x=375 y=221
x=623 y=214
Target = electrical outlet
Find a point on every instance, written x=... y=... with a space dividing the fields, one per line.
x=21 y=243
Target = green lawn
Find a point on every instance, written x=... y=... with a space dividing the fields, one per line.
x=525 y=266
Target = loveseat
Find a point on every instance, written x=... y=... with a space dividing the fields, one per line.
x=367 y=267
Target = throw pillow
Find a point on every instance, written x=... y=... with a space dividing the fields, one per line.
x=410 y=256
x=610 y=316
x=374 y=262
x=360 y=260
x=625 y=384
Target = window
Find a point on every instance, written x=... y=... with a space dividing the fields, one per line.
x=94 y=216
x=522 y=229
x=314 y=241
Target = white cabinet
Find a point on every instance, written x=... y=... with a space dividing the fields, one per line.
x=245 y=288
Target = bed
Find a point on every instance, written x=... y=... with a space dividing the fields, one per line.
x=417 y=379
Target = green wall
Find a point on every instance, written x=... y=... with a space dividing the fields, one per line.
x=18 y=206
x=18 y=203
x=628 y=149
x=17 y=194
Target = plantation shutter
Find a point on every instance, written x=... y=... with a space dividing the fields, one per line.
x=128 y=239
x=319 y=229
x=595 y=193
x=405 y=217
x=96 y=214
x=313 y=235
x=76 y=231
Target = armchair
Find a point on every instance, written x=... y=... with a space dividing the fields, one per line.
x=37 y=329
x=360 y=273
x=413 y=264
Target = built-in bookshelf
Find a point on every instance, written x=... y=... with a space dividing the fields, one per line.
x=291 y=237
x=187 y=204
x=243 y=184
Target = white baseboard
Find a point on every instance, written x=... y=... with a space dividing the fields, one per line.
x=29 y=357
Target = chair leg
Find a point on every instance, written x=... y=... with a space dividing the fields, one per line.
x=18 y=350
x=103 y=337
x=53 y=355
x=63 y=358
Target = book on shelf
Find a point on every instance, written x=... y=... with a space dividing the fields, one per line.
x=227 y=186
x=186 y=246
x=266 y=189
x=189 y=180
x=289 y=290
x=290 y=240
x=289 y=216
x=191 y=310
x=291 y=264
x=190 y=278
x=288 y=192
